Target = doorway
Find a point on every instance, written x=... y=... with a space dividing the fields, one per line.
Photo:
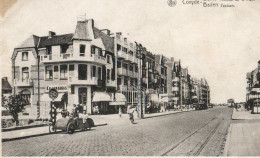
x=82 y=96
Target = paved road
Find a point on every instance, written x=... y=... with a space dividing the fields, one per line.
x=190 y=133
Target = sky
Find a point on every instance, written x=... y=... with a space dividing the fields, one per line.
x=218 y=44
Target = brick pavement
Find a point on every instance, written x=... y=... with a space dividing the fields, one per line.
x=147 y=137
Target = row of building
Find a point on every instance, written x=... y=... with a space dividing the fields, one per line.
x=253 y=89
x=95 y=67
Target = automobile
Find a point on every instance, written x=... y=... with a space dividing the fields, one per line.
x=210 y=106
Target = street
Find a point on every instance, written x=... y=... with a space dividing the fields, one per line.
x=194 y=133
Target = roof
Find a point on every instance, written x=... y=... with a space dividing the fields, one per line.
x=6 y=85
x=81 y=31
x=106 y=39
x=56 y=40
x=31 y=41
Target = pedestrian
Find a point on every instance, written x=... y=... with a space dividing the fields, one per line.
x=120 y=111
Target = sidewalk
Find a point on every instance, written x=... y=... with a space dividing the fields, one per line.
x=243 y=140
x=244 y=115
x=99 y=120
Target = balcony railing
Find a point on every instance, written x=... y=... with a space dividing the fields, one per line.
x=72 y=57
x=176 y=79
x=86 y=81
x=175 y=89
x=23 y=83
x=121 y=54
x=121 y=71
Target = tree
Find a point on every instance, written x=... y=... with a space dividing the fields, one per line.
x=15 y=104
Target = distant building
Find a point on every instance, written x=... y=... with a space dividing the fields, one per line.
x=6 y=87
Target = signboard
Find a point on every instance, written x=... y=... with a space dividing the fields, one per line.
x=53 y=94
x=58 y=88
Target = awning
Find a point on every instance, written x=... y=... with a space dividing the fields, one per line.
x=45 y=97
x=154 y=98
x=163 y=98
x=101 y=96
x=120 y=97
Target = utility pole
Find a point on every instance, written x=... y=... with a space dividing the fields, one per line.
x=181 y=89
x=139 y=91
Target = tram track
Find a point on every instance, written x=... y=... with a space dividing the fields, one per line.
x=202 y=146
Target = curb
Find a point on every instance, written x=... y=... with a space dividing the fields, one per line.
x=23 y=127
x=164 y=114
x=225 y=153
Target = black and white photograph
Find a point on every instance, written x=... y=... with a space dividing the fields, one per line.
x=130 y=78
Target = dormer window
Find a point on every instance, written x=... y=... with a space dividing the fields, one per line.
x=64 y=48
x=49 y=51
x=24 y=56
x=82 y=48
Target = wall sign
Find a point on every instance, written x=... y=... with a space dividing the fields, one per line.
x=58 y=88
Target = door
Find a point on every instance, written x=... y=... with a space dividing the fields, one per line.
x=82 y=96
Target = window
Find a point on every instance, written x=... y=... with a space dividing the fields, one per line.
x=99 y=73
x=119 y=64
x=131 y=68
x=82 y=48
x=24 y=56
x=48 y=72
x=93 y=71
x=56 y=72
x=118 y=81
x=125 y=66
x=71 y=67
x=98 y=51
x=63 y=72
x=124 y=50
x=25 y=73
x=92 y=49
x=136 y=68
x=82 y=72
x=49 y=51
x=108 y=74
x=125 y=81
x=64 y=48
x=108 y=59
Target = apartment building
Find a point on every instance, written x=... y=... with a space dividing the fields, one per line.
x=81 y=64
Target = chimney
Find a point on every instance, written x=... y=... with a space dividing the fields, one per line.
x=91 y=22
x=51 y=34
x=125 y=40
x=106 y=31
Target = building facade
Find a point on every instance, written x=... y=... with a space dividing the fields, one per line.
x=98 y=70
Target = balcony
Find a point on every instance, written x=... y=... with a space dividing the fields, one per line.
x=121 y=54
x=87 y=81
x=111 y=83
x=121 y=71
x=129 y=57
x=23 y=83
x=175 y=98
x=194 y=97
x=135 y=59
x=175 y=89
x=130 y=73
x=72 y=57
x=121 y=88
x=176 y=79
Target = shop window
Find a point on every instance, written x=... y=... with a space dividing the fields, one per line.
x=49 y=72
x=82 y=72
x=25 y=73
x=26 y=95
x=24 y=56
x=56 y=72
x=63 y=72
x=64 y=48
x=82 y=48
